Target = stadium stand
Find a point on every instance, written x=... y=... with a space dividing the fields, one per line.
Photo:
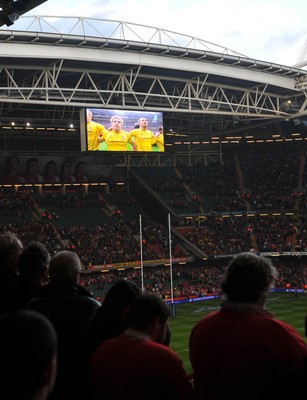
x=103 y=225
x=228 y=183
x=232 y=179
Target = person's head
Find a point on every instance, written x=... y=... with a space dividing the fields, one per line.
x=31 y=165
x=50 y=167
x=11 y=164
x=28 y=355
x=116 y=123
x=248 y=279
x=79 y=168
x=34 y=262
x=119 y=297
x=89 y=116
x=149 y=314
x=65 y=266
x=143 y=122
x=65 y=167
x=111 y=318
x=10 y=249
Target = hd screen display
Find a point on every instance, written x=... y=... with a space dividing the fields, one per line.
x=121 y=130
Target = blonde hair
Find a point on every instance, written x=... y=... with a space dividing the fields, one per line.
x=116 y=116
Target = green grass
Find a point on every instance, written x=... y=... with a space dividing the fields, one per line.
x=285 y=307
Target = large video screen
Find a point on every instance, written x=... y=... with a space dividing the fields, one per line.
x=121 y=130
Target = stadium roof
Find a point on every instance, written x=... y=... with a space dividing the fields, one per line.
x=53 y=66
x=11 y=10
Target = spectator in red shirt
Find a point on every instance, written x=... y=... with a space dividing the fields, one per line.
x=237 y=351
x=137 y=364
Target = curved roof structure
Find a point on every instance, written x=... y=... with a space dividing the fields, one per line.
x=50 y=67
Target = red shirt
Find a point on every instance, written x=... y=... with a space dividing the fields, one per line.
x=33 y=178
x=133 y=368
x=11 y=179
x=235 y=354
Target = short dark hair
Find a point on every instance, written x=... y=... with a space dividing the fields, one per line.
x=145 y=309
x=31 y=159
x=120 y=295
x=247 y=277
x=28 y=344
x=50 y=162
x=9 y=158
x=33 y=259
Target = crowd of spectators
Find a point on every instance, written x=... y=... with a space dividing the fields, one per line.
x=244 y=209
x=271 y=177
x=89 y=325
x=73 y=200
x=238 y=185
x=197 y=280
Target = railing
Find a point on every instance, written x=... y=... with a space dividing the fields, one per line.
x=121 y=30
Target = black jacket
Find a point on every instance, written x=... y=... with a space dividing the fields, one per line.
x=70 y=308
x=7 y=282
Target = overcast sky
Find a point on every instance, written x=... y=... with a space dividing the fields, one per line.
x=268 y=30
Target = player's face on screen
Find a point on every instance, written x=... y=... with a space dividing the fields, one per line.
x=143 y=122
x=116 y=124
x=89 y=116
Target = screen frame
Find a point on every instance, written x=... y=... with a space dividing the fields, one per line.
x=130 y=118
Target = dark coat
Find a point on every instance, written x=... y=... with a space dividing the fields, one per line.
x=70 y=308
x=7 y=282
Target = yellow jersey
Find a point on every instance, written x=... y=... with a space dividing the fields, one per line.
x=144 y=139
x=117 y=141
x=160 y=142
x=94 y=131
